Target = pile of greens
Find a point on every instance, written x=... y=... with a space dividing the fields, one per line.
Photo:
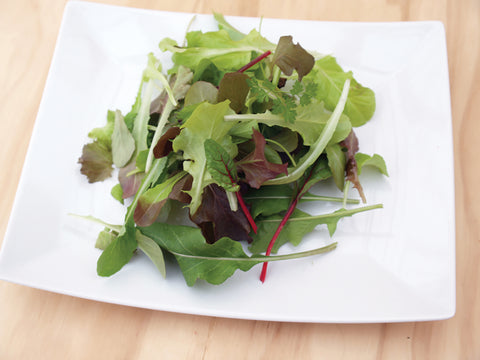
x=237 y=131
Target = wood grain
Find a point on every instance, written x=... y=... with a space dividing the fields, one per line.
x=39 y=325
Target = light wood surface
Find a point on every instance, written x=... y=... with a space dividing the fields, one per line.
x=39 y=325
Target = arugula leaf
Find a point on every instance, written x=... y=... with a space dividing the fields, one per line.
x=213 y=263
x=269 y=200
x=119 y=252
x=299 y=224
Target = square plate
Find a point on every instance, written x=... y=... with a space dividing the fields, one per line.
x=394 y=264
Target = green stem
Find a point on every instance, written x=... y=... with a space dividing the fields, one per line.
x=284 y=150
x=343 y=213
x=262 y=258
x=345 y=192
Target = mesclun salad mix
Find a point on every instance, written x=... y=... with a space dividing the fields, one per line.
x=237 y=131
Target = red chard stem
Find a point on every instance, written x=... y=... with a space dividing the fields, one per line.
x=255 y=61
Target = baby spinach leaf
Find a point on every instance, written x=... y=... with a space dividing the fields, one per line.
x=299 y=224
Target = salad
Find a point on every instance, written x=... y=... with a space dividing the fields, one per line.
x=236 y=133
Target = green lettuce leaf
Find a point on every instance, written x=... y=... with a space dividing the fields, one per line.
x=309 y=122
x=218 y=47
x=337 y=162
x=153 y=251
x=123 y=143
x=375 y=161
x=330 y=77
x=206 y=122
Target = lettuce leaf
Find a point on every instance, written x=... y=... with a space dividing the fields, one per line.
x=206 y=122
x=330 y=77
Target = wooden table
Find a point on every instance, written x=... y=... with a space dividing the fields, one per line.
x=36 y=324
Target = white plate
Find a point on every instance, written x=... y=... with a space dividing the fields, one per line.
x=395 y=264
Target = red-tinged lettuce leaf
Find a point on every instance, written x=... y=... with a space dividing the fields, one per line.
x=179 y=190
x=96 y=161
x=213 y=263
x=216 y=219
x=130 y=183
x=150 y=203
x=256 y=167
x=351 y=144
x=164 y=145
x=289 y=56
x=234 y=87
